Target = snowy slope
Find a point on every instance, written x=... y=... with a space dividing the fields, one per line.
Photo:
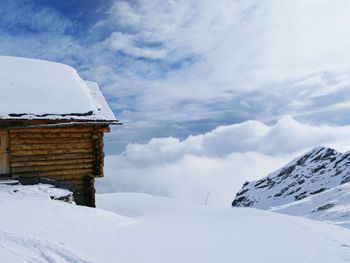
x=35 y=228
x=315 y=185
x=312 y=173
x=331 y=206
x=12 y=188
x=144 y=228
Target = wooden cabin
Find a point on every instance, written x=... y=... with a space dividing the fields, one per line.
x=52 y=125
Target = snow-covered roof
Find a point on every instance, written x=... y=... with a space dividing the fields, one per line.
x=36 y=89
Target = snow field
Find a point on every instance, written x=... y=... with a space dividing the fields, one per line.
x=145 y=228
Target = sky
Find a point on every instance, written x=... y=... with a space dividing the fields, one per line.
x=181 y=69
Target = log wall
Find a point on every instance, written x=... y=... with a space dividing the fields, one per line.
x=73 y=155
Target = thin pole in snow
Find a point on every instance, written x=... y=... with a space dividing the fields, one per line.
x=206 y=200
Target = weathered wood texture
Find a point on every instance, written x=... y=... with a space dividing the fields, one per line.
x=4 y=155
x=72 y=154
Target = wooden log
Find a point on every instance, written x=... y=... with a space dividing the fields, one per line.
x=46 y=168
x=50 y=162
x=50 y=135
x=50 y=146
x=104 y=129
x=77 y=180
x=50 y=130
x=65 y=175
x=49 y=152
x=68 y=156
x=16 y=141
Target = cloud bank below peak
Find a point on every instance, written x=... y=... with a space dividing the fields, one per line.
x=284 y=137
x=217 y=162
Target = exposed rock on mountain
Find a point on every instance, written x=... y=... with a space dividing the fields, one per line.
x=332 y=205
x=312 y=173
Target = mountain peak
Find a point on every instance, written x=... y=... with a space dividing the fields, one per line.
x=313 y=172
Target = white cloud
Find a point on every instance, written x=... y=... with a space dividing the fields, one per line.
x=15 y=15
x=188 y=66
x=218 y=162
x=191 y=177
x=123 y=14
x=127 y=43
x=286 y=136
x=266 y=41
x=228 y=61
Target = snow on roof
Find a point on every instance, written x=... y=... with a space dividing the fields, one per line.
x=100 y=102
x=36 y=89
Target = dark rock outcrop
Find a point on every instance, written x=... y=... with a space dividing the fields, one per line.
x=312 y=173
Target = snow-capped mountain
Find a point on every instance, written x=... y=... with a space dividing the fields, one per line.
x=332 y=206
x=315 y=185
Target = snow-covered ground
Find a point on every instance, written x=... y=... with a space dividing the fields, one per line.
x=331 y=206
x=145 y=228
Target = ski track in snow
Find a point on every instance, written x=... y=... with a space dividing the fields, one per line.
x=18 y=248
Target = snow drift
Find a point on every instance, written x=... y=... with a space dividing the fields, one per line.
x=145 y=228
